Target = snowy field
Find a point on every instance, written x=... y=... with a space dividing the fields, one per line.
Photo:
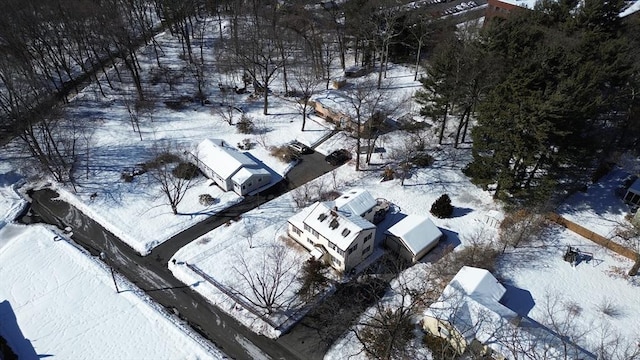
x=137 y=211
x=599 y=209
x=600 y=298
x=57 y=301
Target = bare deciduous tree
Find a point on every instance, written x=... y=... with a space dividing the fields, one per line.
x=172 y=187
x=520 y=227
x=267 y=282
x=307 y=83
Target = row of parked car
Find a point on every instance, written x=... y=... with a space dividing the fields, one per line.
x=336 y=158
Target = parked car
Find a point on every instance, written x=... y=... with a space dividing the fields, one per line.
x=300 y=148
x=338 y=157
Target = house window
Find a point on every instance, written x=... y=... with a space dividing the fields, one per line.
x=309 y=241
x=366 y=250
x=367 y=238
x=443 y=331
x=296 y=230
x=353 y=249
x=336 y=261
x=259 y=179
x=307 y=228
x=315 y=233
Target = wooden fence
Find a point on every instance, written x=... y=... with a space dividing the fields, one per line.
x=599 y=239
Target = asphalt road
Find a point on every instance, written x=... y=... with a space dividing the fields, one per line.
x=150 y=273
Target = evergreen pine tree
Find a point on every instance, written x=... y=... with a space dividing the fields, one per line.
x=442 y=207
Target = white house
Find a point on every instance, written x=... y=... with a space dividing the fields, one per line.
x=229 y=168
x=337 y=231
x=469 y=314
x=358 y=202
x=413 y=237
x=633 y=194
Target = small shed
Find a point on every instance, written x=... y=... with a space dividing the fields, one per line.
x=413 y=237
x=633 y=194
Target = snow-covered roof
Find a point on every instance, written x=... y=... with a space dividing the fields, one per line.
x=635 y=187
x=335 y=100
x=417 y=232
x=630 y=7
x=529 y=4
x=356 y=201
x=478 y=283
x=245 y=173
x=339 y=227
x=470 y=303
x=224 y=160
x=633 y=7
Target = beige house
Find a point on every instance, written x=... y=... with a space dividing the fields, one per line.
x=413 y=237
x=335 y=107
x=339 y=232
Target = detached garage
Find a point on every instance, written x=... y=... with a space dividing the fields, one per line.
x=413 y=237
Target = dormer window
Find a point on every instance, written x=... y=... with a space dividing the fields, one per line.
x=334 y=224
x=322 y=216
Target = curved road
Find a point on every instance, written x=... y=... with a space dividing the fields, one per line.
x=150 y=273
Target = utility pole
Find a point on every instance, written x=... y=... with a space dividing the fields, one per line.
x=104 y=258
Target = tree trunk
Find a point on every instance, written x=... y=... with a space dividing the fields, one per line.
x=266 y=98
x=415 y=76
x=444 y=124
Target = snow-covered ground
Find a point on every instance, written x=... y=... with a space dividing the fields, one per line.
x=599 y=209
x=58 y=301
x=137 y=213
x=600 y=298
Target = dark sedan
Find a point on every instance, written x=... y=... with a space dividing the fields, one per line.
x=338 y=157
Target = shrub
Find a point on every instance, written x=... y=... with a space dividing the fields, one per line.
x=388 y=174
x=162 y=159
x=283 y=153
x=175 y=105
x=329 y=195
x=442 y=207
x=206 y=200
x=126 y=176
x=245 y=125
x=185 y=170
x=440 y=348
x=313 y=278
x=422 y=160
